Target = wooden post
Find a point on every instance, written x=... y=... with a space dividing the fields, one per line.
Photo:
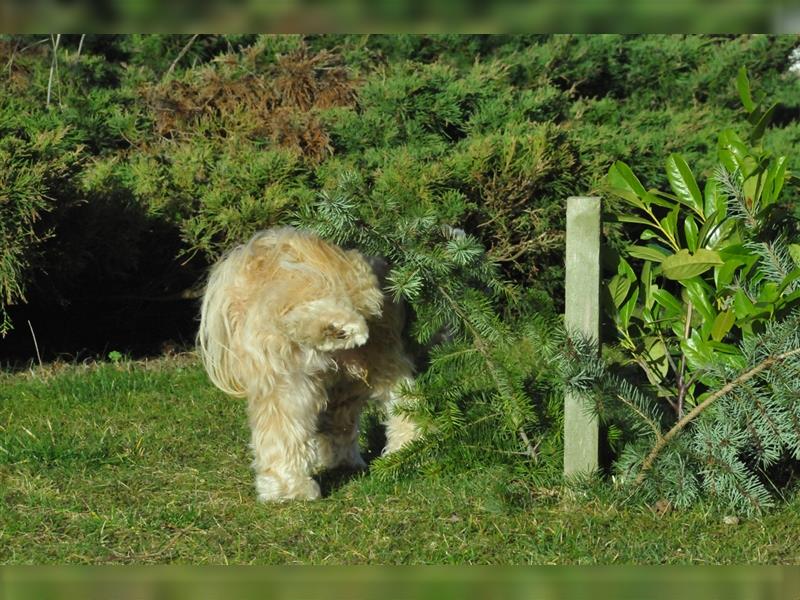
x=582 y=313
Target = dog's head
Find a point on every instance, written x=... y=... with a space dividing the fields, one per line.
x=282 y=293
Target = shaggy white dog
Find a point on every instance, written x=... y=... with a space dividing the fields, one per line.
x=302 y=330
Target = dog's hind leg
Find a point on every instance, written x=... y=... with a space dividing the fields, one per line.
x=283 y=445
x=337 y=436
x=399 y=428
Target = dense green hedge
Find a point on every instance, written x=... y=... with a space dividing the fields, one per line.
x=243 y=130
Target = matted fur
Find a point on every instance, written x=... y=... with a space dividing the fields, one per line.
x=301 y=329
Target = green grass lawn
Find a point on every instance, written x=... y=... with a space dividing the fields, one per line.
x=147 y=463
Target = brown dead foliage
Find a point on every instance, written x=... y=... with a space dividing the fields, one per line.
x=280 y=104
x=14 y=59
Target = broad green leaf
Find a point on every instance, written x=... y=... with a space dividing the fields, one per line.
x=624 y=269
x=670 y=303
x=761 y=126
x=632 y=219
x=627 y=309
x=743 y=307
x=724 y=274
x=685 y=265
x=794 y=252
x=700 y=295
x=743 y=85
x=698 y=352
x=767 y=184
x=734 y=153
x=627 y=195
x=710 y=222
x=618 y=288
x=789 y=280
x=621 y=176
x=713 y=202
x=720 y=234
x=651 y=252
x=779 y=179
x=768 y=294
x=649 y=234
x=728 y=138
x=656 y=354
x=647 y=284
x=722 y=325
x=683 y=183
x=727 y=159
x=690 y=232
x=670 y=222
x=661 y=199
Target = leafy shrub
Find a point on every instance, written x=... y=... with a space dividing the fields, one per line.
x=718 y=274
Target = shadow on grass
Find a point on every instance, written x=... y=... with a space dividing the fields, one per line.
x=333 y=479
x=373 y=440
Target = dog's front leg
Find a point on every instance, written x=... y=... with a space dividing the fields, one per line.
x=283 y=426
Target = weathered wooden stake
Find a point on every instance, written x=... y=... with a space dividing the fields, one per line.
x=582 y=314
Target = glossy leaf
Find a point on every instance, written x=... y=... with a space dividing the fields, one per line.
x=743 y=85
x=794 y=252
x=700 y=294
x=624 y=269
x=789 y=280
x=743 y=307
x=720 y=234
x=722 y=325
x=690 y=232
x=646 y=279
x=685 y=265
x=627 y=309
x=670 y=303
x=656 y=353
x=683 y=183
x=632 y=219
x=618 y=288
x=698 y=352
x=762 y=123
x=670 y=222
x=768 y=294
x=779 y=179
x=723 y=276
x=621 y=176
x=651 y=252
x=713 y=203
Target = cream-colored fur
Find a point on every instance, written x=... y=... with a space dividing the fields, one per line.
x=302 y=330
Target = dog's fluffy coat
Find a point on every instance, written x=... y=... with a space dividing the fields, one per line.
x=301 y=329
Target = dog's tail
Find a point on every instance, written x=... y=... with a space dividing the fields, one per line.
x=217 y=325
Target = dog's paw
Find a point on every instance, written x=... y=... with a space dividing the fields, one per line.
x=272 y=489
x=343 y=335
x=327 y=325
